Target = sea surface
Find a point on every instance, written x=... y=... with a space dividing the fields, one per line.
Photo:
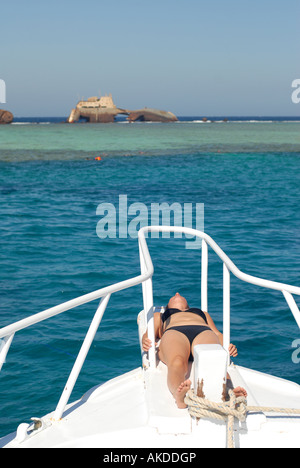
x=245 y=173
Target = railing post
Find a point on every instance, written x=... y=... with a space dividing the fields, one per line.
x=148 y=309
x=226 y=309
x=4 y=347
x=81 y=358
x=204 y=269
x=293 y=306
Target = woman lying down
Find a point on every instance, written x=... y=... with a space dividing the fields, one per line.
x=180 y=328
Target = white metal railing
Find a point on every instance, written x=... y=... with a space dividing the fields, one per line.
x=7 y=333
x=228 y=267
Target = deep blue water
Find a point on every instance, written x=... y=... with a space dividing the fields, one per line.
x=50 y=253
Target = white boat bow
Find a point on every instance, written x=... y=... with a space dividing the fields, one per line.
x=136 y=409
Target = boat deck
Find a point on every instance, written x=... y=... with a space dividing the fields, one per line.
x=136 y=410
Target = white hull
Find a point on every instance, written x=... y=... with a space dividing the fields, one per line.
x=136 y=410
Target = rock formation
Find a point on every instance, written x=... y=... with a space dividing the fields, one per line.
x=6 y=117
x=103 y=110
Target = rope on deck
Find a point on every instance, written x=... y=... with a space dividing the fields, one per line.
x=226 y=411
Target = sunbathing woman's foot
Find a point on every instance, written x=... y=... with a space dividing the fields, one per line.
x=180 y=393
x=240 y=392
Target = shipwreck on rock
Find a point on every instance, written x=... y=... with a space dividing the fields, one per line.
x=103 y=110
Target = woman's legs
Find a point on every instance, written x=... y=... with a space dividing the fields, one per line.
x=174 y=351
x=206 y=337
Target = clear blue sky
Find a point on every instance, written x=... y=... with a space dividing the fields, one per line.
x=194 y=57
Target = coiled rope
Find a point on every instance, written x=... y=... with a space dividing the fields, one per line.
x=236 y=407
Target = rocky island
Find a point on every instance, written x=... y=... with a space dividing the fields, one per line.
x=103 y=110
x=6 y=117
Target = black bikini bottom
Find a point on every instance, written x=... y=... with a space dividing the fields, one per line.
x=190 y=331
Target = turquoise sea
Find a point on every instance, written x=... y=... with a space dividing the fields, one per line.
x=246 y=172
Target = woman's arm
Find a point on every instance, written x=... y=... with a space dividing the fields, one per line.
x=146 y=342
x=232 y=348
